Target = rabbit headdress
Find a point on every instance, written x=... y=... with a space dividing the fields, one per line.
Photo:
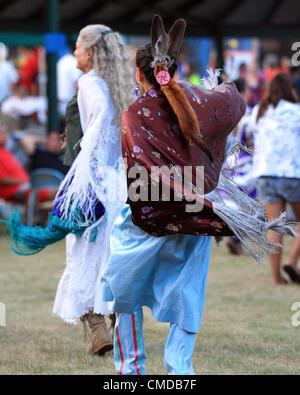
x=164 y=49
x=165 y=46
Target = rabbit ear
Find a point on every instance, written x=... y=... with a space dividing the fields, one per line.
x=176 y=34
x=159 y=38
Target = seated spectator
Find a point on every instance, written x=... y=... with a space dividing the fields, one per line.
x=47 y=153
x=14 y=180
x=21 y=144
x=22 y=107
x=15 y=144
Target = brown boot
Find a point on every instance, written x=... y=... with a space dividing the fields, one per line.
x=112 y=318
x=100 y=336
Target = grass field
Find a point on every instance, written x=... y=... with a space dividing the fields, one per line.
x=246 y=327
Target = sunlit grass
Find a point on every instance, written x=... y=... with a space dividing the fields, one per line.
x=246 y=327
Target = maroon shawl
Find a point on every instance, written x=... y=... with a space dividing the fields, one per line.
x=151 y=137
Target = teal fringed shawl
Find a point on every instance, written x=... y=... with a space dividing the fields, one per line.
x=28 y=240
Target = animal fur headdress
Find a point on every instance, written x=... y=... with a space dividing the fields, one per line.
x=164 y=49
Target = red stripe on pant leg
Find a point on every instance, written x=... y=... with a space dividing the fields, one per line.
x=135 y=344
x=119 y=344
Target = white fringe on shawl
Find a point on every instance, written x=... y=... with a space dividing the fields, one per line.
x=211 y=81
x=245 y=216
x=96 y=175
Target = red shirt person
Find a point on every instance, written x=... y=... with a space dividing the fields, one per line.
x=13 y=177
x=29 y=69
x=14 y=180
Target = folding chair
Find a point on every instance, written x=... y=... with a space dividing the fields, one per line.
x=41 y=178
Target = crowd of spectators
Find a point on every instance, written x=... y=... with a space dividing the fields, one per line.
x=24 y=144
x=271 y=173
x=14 y=179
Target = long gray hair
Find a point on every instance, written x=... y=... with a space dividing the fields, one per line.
x=111 y=61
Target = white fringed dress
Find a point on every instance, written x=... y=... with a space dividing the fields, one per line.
x=95 y=174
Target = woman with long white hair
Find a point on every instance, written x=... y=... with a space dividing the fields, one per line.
x=89 y=198
x=104 y=92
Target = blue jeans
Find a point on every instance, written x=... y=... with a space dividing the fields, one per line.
x=277 y=189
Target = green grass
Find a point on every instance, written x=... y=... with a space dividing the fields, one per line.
x=246 y=326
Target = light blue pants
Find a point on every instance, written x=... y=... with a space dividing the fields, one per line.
x=129 y=350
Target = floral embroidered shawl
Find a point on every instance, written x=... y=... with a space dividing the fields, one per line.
x=151 y=137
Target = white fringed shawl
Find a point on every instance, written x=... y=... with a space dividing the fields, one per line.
x=97 y=173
